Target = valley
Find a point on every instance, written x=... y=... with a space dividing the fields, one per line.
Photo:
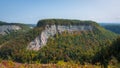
x=55 y=40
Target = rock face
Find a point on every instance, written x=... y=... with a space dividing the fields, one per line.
x=51 y=30
x=6 y=28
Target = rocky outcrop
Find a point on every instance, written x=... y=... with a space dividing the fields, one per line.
x=7 y=28
x=51 y=30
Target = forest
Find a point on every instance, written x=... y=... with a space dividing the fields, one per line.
x=112 y=27
x=99 y=46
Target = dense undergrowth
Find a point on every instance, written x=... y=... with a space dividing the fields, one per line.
x=60 y=64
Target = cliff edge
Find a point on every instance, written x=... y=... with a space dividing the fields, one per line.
x=57 y=26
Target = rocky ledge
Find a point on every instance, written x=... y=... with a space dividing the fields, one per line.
x=7 y=28
x=51 y=30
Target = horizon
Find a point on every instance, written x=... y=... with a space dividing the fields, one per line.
x=30 y=12
x=96 y=22
x=69 y=19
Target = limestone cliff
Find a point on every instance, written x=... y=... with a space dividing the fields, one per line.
x=6 y=28
x=51 y=30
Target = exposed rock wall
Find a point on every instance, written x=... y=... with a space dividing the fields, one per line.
x=51 y=30
x=7 y=28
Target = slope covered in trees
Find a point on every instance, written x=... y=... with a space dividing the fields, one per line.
x=112 y=27
x=11 y=34
x=45 y=22
x=79 y=46
x=109 y=54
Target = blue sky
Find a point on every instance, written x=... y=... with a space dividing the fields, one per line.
x=30 y=11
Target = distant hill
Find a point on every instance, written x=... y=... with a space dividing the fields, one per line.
x=8 y=27
x=31 y=25
x=9 y=31
x=114 y=27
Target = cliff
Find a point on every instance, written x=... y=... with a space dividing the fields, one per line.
x=7 y=28
x=52 y=27
x=55 y=40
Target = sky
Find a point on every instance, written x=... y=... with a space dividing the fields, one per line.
x=31 y=11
